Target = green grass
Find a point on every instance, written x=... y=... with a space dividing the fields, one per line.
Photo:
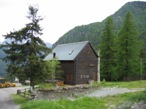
x=133 y=84
x=19 y=99
x=125 y=100
x=128 y=99
x=139 y=96
x=82 y=103
x=46 y=86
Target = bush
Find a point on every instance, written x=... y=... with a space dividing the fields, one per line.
x=46 y=86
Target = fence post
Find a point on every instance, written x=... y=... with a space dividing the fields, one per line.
x=141 y=68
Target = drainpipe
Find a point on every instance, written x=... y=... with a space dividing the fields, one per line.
x=53 y=73
x=98 y=67
x=54 y=55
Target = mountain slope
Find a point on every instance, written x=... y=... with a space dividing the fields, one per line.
x=81 y=33
x=3 y=66
x=92 y=32
x=138 y=10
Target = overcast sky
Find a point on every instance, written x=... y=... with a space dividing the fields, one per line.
x=60 y=16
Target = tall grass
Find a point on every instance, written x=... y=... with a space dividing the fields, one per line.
x=19 y=99
x=82 y=103
x=125 y=100
x=141 y=96
x=46 y=86
x=133 y=84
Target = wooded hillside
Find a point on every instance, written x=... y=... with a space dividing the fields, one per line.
x=92 y=32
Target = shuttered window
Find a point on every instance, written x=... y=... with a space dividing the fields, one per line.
x=69 y=76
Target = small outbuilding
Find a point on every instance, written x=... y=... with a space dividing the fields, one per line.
x=78 y=61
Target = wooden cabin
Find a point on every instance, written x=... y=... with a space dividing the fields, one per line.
x=78 y=61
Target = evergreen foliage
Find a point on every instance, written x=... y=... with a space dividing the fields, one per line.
x=128 y=49
x=53 y=68
x=26 y=50
x=107 y=49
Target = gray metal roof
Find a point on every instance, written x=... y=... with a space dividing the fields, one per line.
x=67 y=51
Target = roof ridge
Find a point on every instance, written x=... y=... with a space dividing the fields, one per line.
x=73 y=43
x=69 y=51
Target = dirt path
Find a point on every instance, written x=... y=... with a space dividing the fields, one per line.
x=5 y=98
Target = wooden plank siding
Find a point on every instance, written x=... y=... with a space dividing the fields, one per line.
x=68 y=68
x=86 y=65
x=78 y=61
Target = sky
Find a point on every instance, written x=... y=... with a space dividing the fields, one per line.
x=60 y=16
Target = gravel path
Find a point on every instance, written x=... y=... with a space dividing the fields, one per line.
x=112 y=91
x=5 y=98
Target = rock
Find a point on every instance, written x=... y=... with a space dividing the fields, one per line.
x=64 y=92
x=139 y=105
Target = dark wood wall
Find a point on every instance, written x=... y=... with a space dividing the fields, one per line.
x=82 y=69
x=68 y=68
x=86 y=66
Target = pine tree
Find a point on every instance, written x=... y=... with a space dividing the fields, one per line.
x=26 y=50
x=128 y=49
x=107 y=51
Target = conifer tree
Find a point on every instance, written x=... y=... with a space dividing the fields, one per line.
x=107 y=51
x=26 y=50
x=128 y=49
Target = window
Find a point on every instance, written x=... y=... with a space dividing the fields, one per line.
x=69 y=76
x=88 y=51
x=83 y=63
x=87 y=76
x=81 y=76
x=71 y=52
x=91 y=65
x=84 y=76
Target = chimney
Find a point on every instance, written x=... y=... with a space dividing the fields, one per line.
x=54 y=55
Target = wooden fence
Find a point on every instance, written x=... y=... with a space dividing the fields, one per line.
x=134 y=78
x=27 y=93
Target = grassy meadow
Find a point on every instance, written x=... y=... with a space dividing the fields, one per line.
x=121 y=101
